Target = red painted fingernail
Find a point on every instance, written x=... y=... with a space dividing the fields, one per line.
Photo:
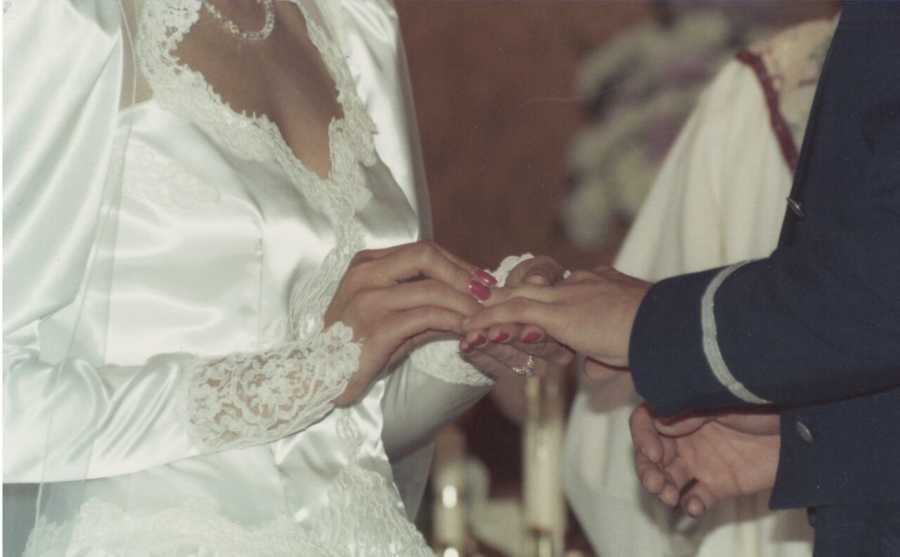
x=480 y=341
x=465 y=347
x=502 y=337
x=532 y=337
x=480 y=291
x=486 y=278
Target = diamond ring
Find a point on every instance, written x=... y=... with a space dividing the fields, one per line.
x=528 y=369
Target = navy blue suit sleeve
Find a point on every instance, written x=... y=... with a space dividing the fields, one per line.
x=818 y=320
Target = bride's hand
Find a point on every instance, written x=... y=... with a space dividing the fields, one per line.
x=396 y=298
x=508 y=348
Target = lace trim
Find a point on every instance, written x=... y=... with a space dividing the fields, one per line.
x=441 y=360
x=264 y=397
x=185 y=91
x=194 y=528
x=507 y=265
x=379 y=528
x=345 y=527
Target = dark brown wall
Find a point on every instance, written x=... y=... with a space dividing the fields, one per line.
x=494 y=85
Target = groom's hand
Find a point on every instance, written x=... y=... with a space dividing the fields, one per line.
x=697 y=461
x=592 y=312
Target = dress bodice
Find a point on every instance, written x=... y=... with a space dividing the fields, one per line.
x=290 y=200
x=226 y=244
x=211 y=247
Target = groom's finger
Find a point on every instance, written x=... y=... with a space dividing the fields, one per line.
x=679 y=474
x=651 y=476
x=537 y=271
x=698 y=499
x=694 y=506
x=644 y=435
x=517 y=310
x=548 y=294
x=680 y=426
x=669 y=495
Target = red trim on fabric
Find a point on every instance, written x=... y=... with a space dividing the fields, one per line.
x=779 y=125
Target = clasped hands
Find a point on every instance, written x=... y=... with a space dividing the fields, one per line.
x=398 y=298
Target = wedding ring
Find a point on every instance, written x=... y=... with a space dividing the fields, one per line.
x=528 y=369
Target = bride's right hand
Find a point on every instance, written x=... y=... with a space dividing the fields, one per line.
x=396 y=298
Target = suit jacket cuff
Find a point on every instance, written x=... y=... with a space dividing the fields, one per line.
x=674 y=357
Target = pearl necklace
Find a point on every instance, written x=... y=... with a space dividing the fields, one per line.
x=231 y=26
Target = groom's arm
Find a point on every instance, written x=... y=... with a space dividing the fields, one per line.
x=818 y=319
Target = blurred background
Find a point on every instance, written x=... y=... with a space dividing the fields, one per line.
x=543 y=124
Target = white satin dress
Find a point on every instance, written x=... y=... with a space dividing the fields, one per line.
x=202 y=423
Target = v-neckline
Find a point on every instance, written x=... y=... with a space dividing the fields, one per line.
x=350 y=134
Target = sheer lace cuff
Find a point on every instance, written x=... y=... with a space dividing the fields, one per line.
x=245 y=399
x=507 y=265
x=441 y=359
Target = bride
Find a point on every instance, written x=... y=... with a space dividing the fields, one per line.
x=212 y=219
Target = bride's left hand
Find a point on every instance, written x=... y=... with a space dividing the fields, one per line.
x=508 y=348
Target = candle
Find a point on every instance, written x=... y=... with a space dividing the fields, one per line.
x=544 y=501
x=448 y=486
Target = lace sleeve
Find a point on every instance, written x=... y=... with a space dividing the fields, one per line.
x=244 y=399
x=441 y=359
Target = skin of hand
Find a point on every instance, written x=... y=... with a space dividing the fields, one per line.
x=398 y=298
x=600 y=374
x=501 y=347
x=591 y=312
x=697 y=461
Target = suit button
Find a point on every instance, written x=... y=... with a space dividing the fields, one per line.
x=804 y=432
x=796 y=208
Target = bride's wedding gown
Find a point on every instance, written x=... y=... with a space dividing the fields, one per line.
x=202 y=423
